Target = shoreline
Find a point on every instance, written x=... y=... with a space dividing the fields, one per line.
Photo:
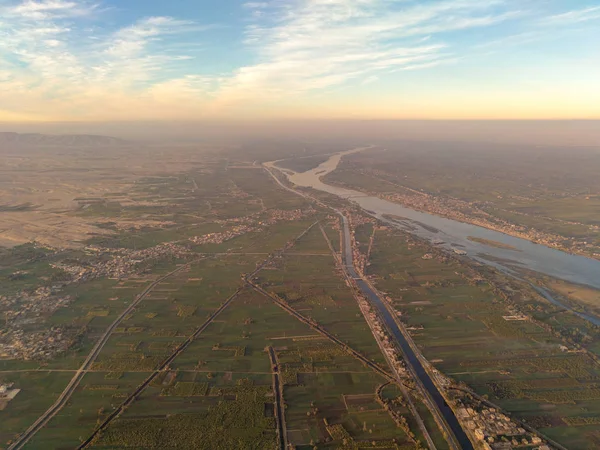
x=506 y=230
x=482 y=224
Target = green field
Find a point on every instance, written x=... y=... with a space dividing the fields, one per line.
x=218 y=392
x=461 y=326
x=221 y=385
x=229 y=362
x=530 y=188
x=302 y=164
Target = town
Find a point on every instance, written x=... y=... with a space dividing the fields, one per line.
x=474 y=213
x=24 y=336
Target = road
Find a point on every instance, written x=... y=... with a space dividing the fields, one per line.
x=91 y=358
x=324 y=332
x=277 y=390
x=164 y=365
x=445 y=415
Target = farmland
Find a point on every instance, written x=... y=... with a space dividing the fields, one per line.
x=202 y=231
x=329 y=396
x=231 y=365
x=538 y=194
x=501 y=349
x=205 y=306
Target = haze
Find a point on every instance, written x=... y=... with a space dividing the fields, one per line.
x=551 y=133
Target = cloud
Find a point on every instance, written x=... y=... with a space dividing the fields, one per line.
x=299 y=46
x=512 y=40
x=573 y=17
x=315 y=44
x=48 y=9
x=369 y=80
x=133 y=40
x=57 y=65
x=61 y=59
x=543 y=28
x=256 y=5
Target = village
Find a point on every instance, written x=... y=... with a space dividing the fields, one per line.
x=466 y=212
x=24 y=337
x=495 y=430
x=7 y=393
x=472 y=213
x=249 y=224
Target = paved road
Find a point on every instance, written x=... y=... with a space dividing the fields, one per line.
x=416 y=367
x=324 y=332
x=91 y=358
x=279 y=414
x=446 y=416
x=164 y=365
x=131 y=398
x=391 y=364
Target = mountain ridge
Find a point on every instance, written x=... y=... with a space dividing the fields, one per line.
x=68 y=140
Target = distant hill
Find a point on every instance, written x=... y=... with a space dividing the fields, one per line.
x=64 y=140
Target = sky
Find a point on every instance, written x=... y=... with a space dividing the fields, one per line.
x=186 y=60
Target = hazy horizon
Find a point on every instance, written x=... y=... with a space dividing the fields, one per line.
x=534 y=133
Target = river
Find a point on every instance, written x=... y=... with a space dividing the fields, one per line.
x=452 y=234
x=410 y=356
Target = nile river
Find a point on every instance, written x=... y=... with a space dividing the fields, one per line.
x=452 y=234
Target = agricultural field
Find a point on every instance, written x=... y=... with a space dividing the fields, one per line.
x=302 y=164
x=208 y=285
x=183 y=240
x=545 y=181
x=314 y=286
x=172 y=248
x=173 y=310
x=226 y=373
x=362 y=234
x=543 y=194
x=225 y=377
x=96 y=304
x=503 y=350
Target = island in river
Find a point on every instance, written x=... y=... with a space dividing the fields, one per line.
x=452 y=233
x=492 y=243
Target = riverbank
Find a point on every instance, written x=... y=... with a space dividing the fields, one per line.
x=444 y=415
x=454 y=233
x=463 y=286
x=465 y=212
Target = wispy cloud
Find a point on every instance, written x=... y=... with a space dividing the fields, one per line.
x=48 y=9
x=369 y=80
x=315 y=44
x=512 y=40
x=542 y=27
x=135 y=53
x=60 y=65
x=60 y=58
x=573 y=17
